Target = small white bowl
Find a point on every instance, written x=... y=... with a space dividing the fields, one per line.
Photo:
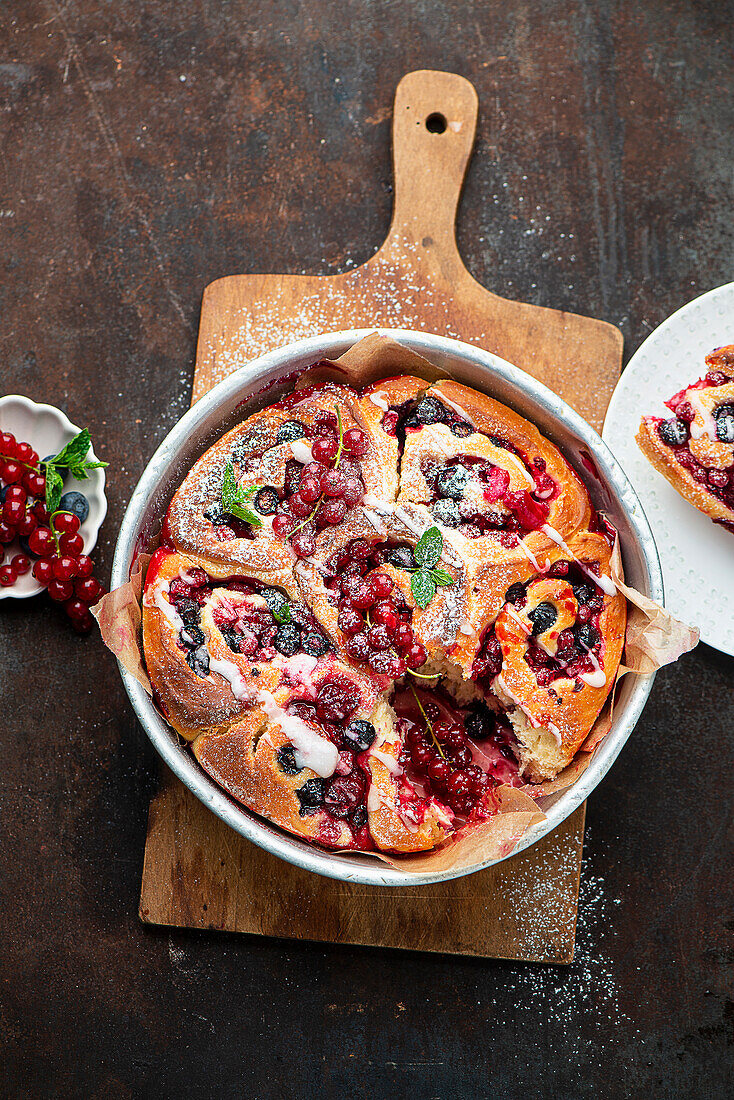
x=47 y=430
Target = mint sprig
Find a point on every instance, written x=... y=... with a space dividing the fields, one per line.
x=234 y=498
x=73 y=457
x=426 y=578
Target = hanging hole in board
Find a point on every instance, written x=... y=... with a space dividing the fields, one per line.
x=436 y=123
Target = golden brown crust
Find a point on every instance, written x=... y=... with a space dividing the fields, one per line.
x=665 y=462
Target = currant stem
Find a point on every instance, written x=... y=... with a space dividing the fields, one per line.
x=427 y=720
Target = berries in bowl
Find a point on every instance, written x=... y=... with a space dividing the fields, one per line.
x=52 y=504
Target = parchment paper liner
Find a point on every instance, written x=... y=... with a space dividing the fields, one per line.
x=653 y=638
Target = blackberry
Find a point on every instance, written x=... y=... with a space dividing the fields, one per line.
x=287 y=639
x=314 y=644
x=584 y=593
x=286 y=757
x=725 y=427
x=216 y=516
x=359 y=735
x=542 y=617
x=311 y=796
x=480 y=723
x=359 y=819
x=401 y=557
x=189 y=610
x=587 y=636
x=276 y=603
x=266 y=500
x=451 y=481
x=446 y=512
x=193 y=637
x=515 y=593
x=461 y=429
x=290 y=429
x=674 y=432
x=429 y=411
x=232 y=638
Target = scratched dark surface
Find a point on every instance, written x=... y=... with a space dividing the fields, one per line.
x=148 y=148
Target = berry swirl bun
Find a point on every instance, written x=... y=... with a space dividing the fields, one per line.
x=371 y=608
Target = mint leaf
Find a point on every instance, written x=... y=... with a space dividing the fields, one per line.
x=441 y=576
x=247 y=515
x=229 y=488
x=234 y=499
x=429 y=548
x=75 y=451
x=423 y=587
x=54 y=486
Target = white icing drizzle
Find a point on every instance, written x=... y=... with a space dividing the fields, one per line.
x=375 y=520
x=186 y=576
x=532 y=558
x=239 y=686
x=708 y=424
x=311 y=750
x=166 y=608
x=379 y=398
x=597 y=678
x=521 y=469
x=510 y=609
x=603 y=581
x=499 y=681
x=301 y=451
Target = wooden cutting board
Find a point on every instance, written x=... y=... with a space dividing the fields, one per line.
x=199 y=873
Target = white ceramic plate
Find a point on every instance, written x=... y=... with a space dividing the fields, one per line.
x=697 y=556
x=48 y=430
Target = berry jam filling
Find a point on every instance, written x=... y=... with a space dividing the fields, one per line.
x=464 y=485
x=572 y=659
x=456 y=755
x=413 y=415
x=256 y=630
x=372 y=613
x=675 y=433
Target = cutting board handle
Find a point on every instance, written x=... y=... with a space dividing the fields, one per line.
x=434 y=123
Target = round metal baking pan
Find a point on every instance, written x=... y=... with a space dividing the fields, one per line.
x=261 y=382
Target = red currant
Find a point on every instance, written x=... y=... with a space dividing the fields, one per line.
x=66 y=523
x=27 y=524
x=76 y=609
x=300 y=507
x=20 y=564
x=13 y=512
x=11 y=472
x=84 y=566
x=84 y=625
x=303 y=544
x=7 y=576
x=360 y=549
x=459 y=785
x=381 y=584
x=310 y=489
x=378 y=637
x=396 y=667
x=332 y=512
x=416 y=656
x=440 y=771
x=15 y=492
x=333 y=483
x=35 y=483
x=324 y=449
x=65 y=568
x=384 y=612
x=282 y=526
x=60 y=590
x=7 y=533
x=71 y=544
x=422 y=754
x=23 y=452
x=42 y=542
x=43 y=571
x=7 y=444
x=353 y=491
x=40 y=511
x=363 y=596
x=350 y=620
x=355 y=442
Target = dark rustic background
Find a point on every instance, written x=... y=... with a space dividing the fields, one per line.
x=150 y=147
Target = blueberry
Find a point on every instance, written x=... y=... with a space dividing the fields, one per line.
x=542 y=618
x=674 y=432
x=587 y=636
x=446 y=512
x=461 y=429
x=287 y=639
x=232 y=638
x=314 y=644
x=189 y=610
x=266 y=500
x=725 y=428
x=290 y=429
x=216 y=516
x=358 y=735
x=198 y=661
x=452 y=481
x=26 y=548
x=401 y=557
x=287 y=760
x=584 y=593
x=480 y=723
x=429 y=411
x=3 y=491
x=62 y=471
x=515 y=593
x=359 y=818
x=311 y=796
x=76 y=503
x=193 y=637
